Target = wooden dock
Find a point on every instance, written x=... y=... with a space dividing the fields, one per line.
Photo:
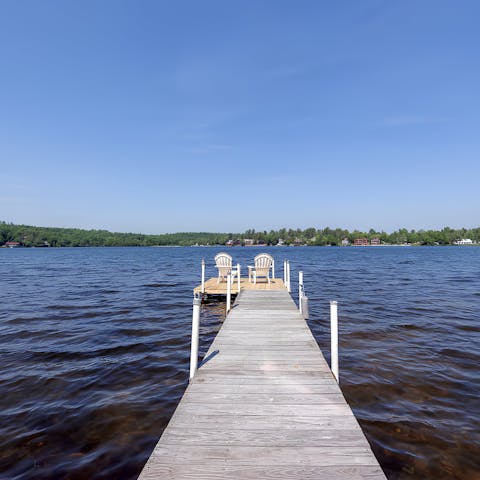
x=212 y=287
x=263 y=405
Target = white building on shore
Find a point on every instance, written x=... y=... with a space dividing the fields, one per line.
x=463 y=241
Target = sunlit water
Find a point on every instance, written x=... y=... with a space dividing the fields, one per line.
x=94 y=347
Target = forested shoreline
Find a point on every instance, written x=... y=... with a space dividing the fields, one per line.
x=32 y=236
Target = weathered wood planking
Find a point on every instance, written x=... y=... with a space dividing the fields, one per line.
x=214 y=288
x=263 y=405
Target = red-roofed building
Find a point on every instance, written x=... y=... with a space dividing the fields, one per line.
x=361 y=242
x=12 y=244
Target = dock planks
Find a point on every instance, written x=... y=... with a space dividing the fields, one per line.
x=263 y=405
x=220 y=288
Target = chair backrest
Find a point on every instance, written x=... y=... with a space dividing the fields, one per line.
x=223 y=261
x=263 y=263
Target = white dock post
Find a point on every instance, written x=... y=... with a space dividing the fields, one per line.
x=334 y=337
x=288 y=277
x=229 y=291
x=238 y=278
x=273 y=269
x=195 y=329
x=285 y=272
x=300 y=290
x=203 y=275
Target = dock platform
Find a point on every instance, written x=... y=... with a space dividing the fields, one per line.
x=220 y=288
x=263 y=404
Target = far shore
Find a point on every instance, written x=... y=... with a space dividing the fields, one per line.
x=21 y=247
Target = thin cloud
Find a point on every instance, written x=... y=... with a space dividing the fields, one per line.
x=210 y=148
x=401 y=121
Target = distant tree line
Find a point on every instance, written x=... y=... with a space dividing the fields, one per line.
x=329 y=236
x=31 y=236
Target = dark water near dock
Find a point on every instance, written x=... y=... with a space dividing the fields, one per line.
x=94 y=348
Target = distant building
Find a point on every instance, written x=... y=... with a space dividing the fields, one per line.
x=345 y=242
x=464 y=241
x=248 y=242
x=297 y=242
x=280 y=242
x=361 y=242
x=229 y=243
x=12 y=244
x=375 y=241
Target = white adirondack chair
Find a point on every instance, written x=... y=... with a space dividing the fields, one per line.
x=223 y=262
x=263 y=263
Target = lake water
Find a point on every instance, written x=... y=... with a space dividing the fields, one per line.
x=94 y=348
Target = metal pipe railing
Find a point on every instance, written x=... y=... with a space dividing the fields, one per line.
x=229 y=291
x=301 y=293
x=288 y=277
x=334 y=338
x=195 y=334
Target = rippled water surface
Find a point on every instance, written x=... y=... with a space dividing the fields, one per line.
x=94 y=347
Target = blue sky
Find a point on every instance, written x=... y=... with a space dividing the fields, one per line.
x=158 y=116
